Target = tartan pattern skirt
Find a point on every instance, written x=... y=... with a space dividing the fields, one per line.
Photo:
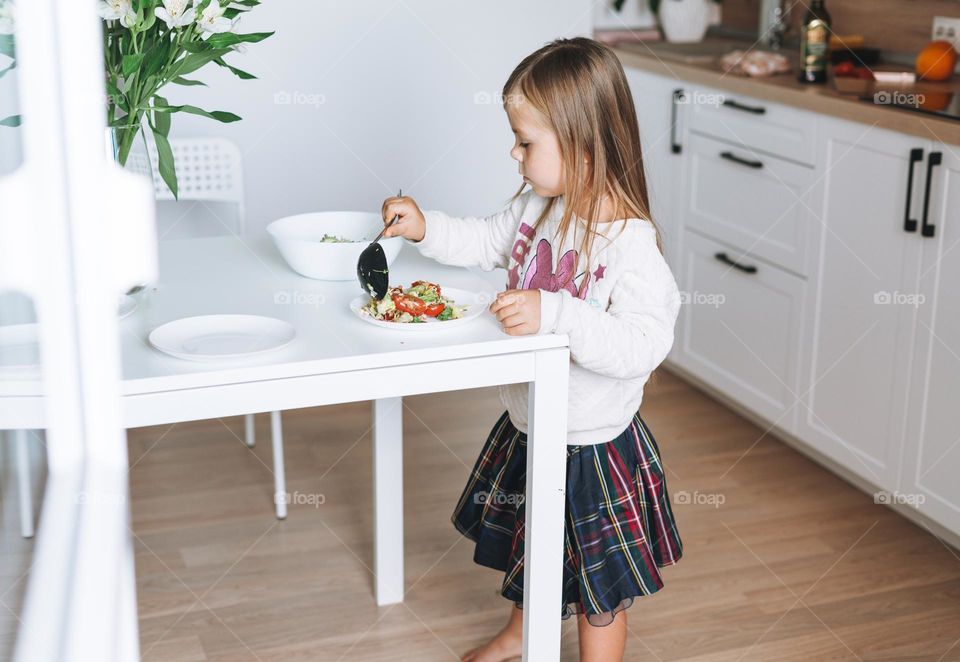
x=619 y=527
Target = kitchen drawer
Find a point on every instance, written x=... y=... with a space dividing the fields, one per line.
x=755 y=202
x=739 y=328
x=778 y=130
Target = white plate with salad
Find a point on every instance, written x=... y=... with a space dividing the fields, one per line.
x=423 y=306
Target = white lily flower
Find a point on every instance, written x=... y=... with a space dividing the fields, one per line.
x=175 y=13
x=211 y=19
x=111 y=10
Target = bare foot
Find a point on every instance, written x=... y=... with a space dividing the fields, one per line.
x=507 y=645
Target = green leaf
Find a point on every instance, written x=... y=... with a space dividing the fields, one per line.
x=180 y=80
x=239 y=72
x=246 y=3
x=230 y=39
x=118 y=99
x=161 y=121
x=166 y=165
x=194 y=61
x=131 y=63
x=156 y=58
x=13 y=120
x=219 y=115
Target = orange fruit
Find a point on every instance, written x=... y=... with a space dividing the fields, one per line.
x=936 y=61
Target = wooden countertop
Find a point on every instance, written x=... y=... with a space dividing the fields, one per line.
x=787 y=90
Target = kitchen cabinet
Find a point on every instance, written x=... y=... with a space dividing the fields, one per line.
x=861 y=333
x=740 y=327
x=656 y=101
x=931 y=449
x=816 y=257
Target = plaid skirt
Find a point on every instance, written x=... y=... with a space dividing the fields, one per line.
x=619 y=528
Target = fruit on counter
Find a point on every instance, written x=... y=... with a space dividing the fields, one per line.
x=936 y=61
x=850 y=70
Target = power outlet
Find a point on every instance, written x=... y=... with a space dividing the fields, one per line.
x=947 y=29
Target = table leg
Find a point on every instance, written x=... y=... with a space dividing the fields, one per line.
x=249 y=430
x=388 y=500
x=24 y=481
x=279 y=474
x=545 y=501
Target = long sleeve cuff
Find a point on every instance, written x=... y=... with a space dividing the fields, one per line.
x=432 y=236
x=550 y=303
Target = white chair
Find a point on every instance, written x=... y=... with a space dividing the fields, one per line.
x=21 y=449
x=211 y=170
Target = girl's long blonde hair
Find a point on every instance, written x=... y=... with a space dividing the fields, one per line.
x=579 y=86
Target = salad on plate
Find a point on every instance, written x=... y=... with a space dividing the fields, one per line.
x=422 y=302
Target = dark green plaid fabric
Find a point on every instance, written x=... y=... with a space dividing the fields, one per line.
x=619 y=529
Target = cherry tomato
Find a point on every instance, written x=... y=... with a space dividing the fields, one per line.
x=844 y=69
x=434 y=309
x=432 y=286
x=407 y=303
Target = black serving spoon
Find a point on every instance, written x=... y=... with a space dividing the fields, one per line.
x=372 y=265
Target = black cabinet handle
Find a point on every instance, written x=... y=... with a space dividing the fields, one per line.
x=675 y=146
x=935 y=159
x=756 y=110
x=910 y=224
x=746 y=268
x=730 y=156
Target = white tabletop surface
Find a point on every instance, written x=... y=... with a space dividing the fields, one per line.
x=220 y=275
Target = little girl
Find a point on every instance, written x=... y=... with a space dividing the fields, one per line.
x=583 y=258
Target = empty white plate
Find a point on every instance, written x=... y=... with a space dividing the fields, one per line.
x=219 y=337
x=476 y=303
x=19 y=349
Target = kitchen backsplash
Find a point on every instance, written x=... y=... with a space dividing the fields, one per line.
x=893 y=25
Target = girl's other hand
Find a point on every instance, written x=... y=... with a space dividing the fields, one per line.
x=411 y=223
x=518 y=311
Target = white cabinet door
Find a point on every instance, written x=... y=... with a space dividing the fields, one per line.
x=931 y=451
x=657 y=113
x=740 y=330
x=753 y=201
x=861 y=329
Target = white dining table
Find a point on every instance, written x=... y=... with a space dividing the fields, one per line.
x=338 y=358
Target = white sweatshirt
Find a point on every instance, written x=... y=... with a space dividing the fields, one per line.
x=619 y=314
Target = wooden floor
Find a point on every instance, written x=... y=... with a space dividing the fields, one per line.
x=782 y=560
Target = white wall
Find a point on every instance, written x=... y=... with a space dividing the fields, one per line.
x=383 y=96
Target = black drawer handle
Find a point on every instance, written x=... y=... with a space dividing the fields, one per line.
x=730 y=156
x=745 y=268
x=756 y=110
x=935 y=159
x=910 y=224
x=675 y=146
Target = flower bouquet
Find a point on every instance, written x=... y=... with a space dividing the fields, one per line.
x=149 y=44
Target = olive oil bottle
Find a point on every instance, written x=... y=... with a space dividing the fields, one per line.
x=815 y=44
